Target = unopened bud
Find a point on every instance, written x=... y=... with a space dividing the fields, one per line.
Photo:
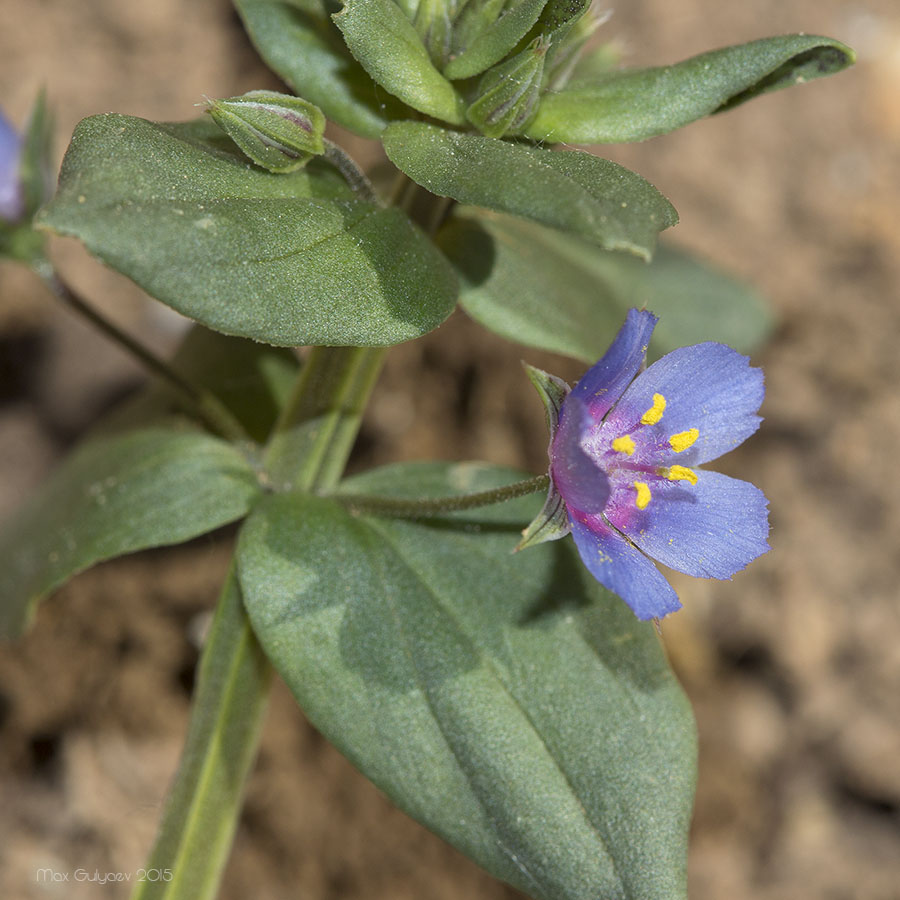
x=434 y=22
x=279 y=132
x=509 y=92
x=566 y=47
x=474 y=18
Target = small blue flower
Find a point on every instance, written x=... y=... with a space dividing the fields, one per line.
x=12 y=199
x=624 y=459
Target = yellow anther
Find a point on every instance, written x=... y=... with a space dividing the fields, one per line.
x=680 y=473
x=623 y=444
x=655 y=413
x=684 y=439
x=642 y=501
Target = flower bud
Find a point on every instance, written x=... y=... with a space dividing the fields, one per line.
x=12 y=198
x=434 y=22
x=566 y=48
x=279 y=132
x=473 y=18
x=508 y=93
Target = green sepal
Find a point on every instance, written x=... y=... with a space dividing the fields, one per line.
x=277 y=131
x=433 y=22
x=487 y=32
x=35 y=169
x=388 y=47
x=508 y=93
x=298 y=41
x=552 y=390
x=636 y=104
x=573 y=191
x=550 y=524
x=566 y=45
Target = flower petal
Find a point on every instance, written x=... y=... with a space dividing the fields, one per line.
x=711 y=529
x=622 y=569
x=579 y=478
x=10 y=187
x=602 y=385
x=708 y=387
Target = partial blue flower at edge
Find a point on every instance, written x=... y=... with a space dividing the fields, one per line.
x=624 y=462
x=12 y=200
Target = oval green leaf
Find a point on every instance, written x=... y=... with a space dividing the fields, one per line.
x=389 y=48
x=556 y=292
x=300 y=43
x=632 y=105
x=115 y=495
x=285 y=259
x=576 y=192
x=509 y=703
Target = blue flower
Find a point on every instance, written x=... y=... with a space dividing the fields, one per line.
x=12 y=199
x=624 y=457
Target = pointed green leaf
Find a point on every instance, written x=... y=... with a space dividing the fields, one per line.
x=389 y=48
x=553 y=291
x=506 y=701
x=635 y=104
x=575 y=191
x=115 y=495
x=301 y=44
x=286 y=259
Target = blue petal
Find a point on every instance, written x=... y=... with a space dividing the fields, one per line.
x=10 y=186
x=578 y=478
x=711 y=529
x=709 y=387
x=623 y=569
x=604 y=382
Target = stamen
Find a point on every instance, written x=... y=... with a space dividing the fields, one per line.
x=679 y=473
x=623 y=444
x=684 y=439
x=642 y=501
x=655 y=413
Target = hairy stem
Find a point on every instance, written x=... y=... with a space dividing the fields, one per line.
x=354 y=175
x=432 y=507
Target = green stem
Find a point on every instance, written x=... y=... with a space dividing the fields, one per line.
x=431 y=507
x=321 y=418
x=200 y=401
x=308 y=450
x=202 y=809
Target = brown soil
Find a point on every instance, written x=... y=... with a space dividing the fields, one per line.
x=793 y=669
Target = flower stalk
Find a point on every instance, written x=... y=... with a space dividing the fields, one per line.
x=434 y=507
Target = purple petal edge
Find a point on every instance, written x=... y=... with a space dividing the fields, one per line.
x=602 y=385
x=623 y=569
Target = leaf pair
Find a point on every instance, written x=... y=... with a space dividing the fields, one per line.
x=298 y=258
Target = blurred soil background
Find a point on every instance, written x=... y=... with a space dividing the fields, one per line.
x=793 y=669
